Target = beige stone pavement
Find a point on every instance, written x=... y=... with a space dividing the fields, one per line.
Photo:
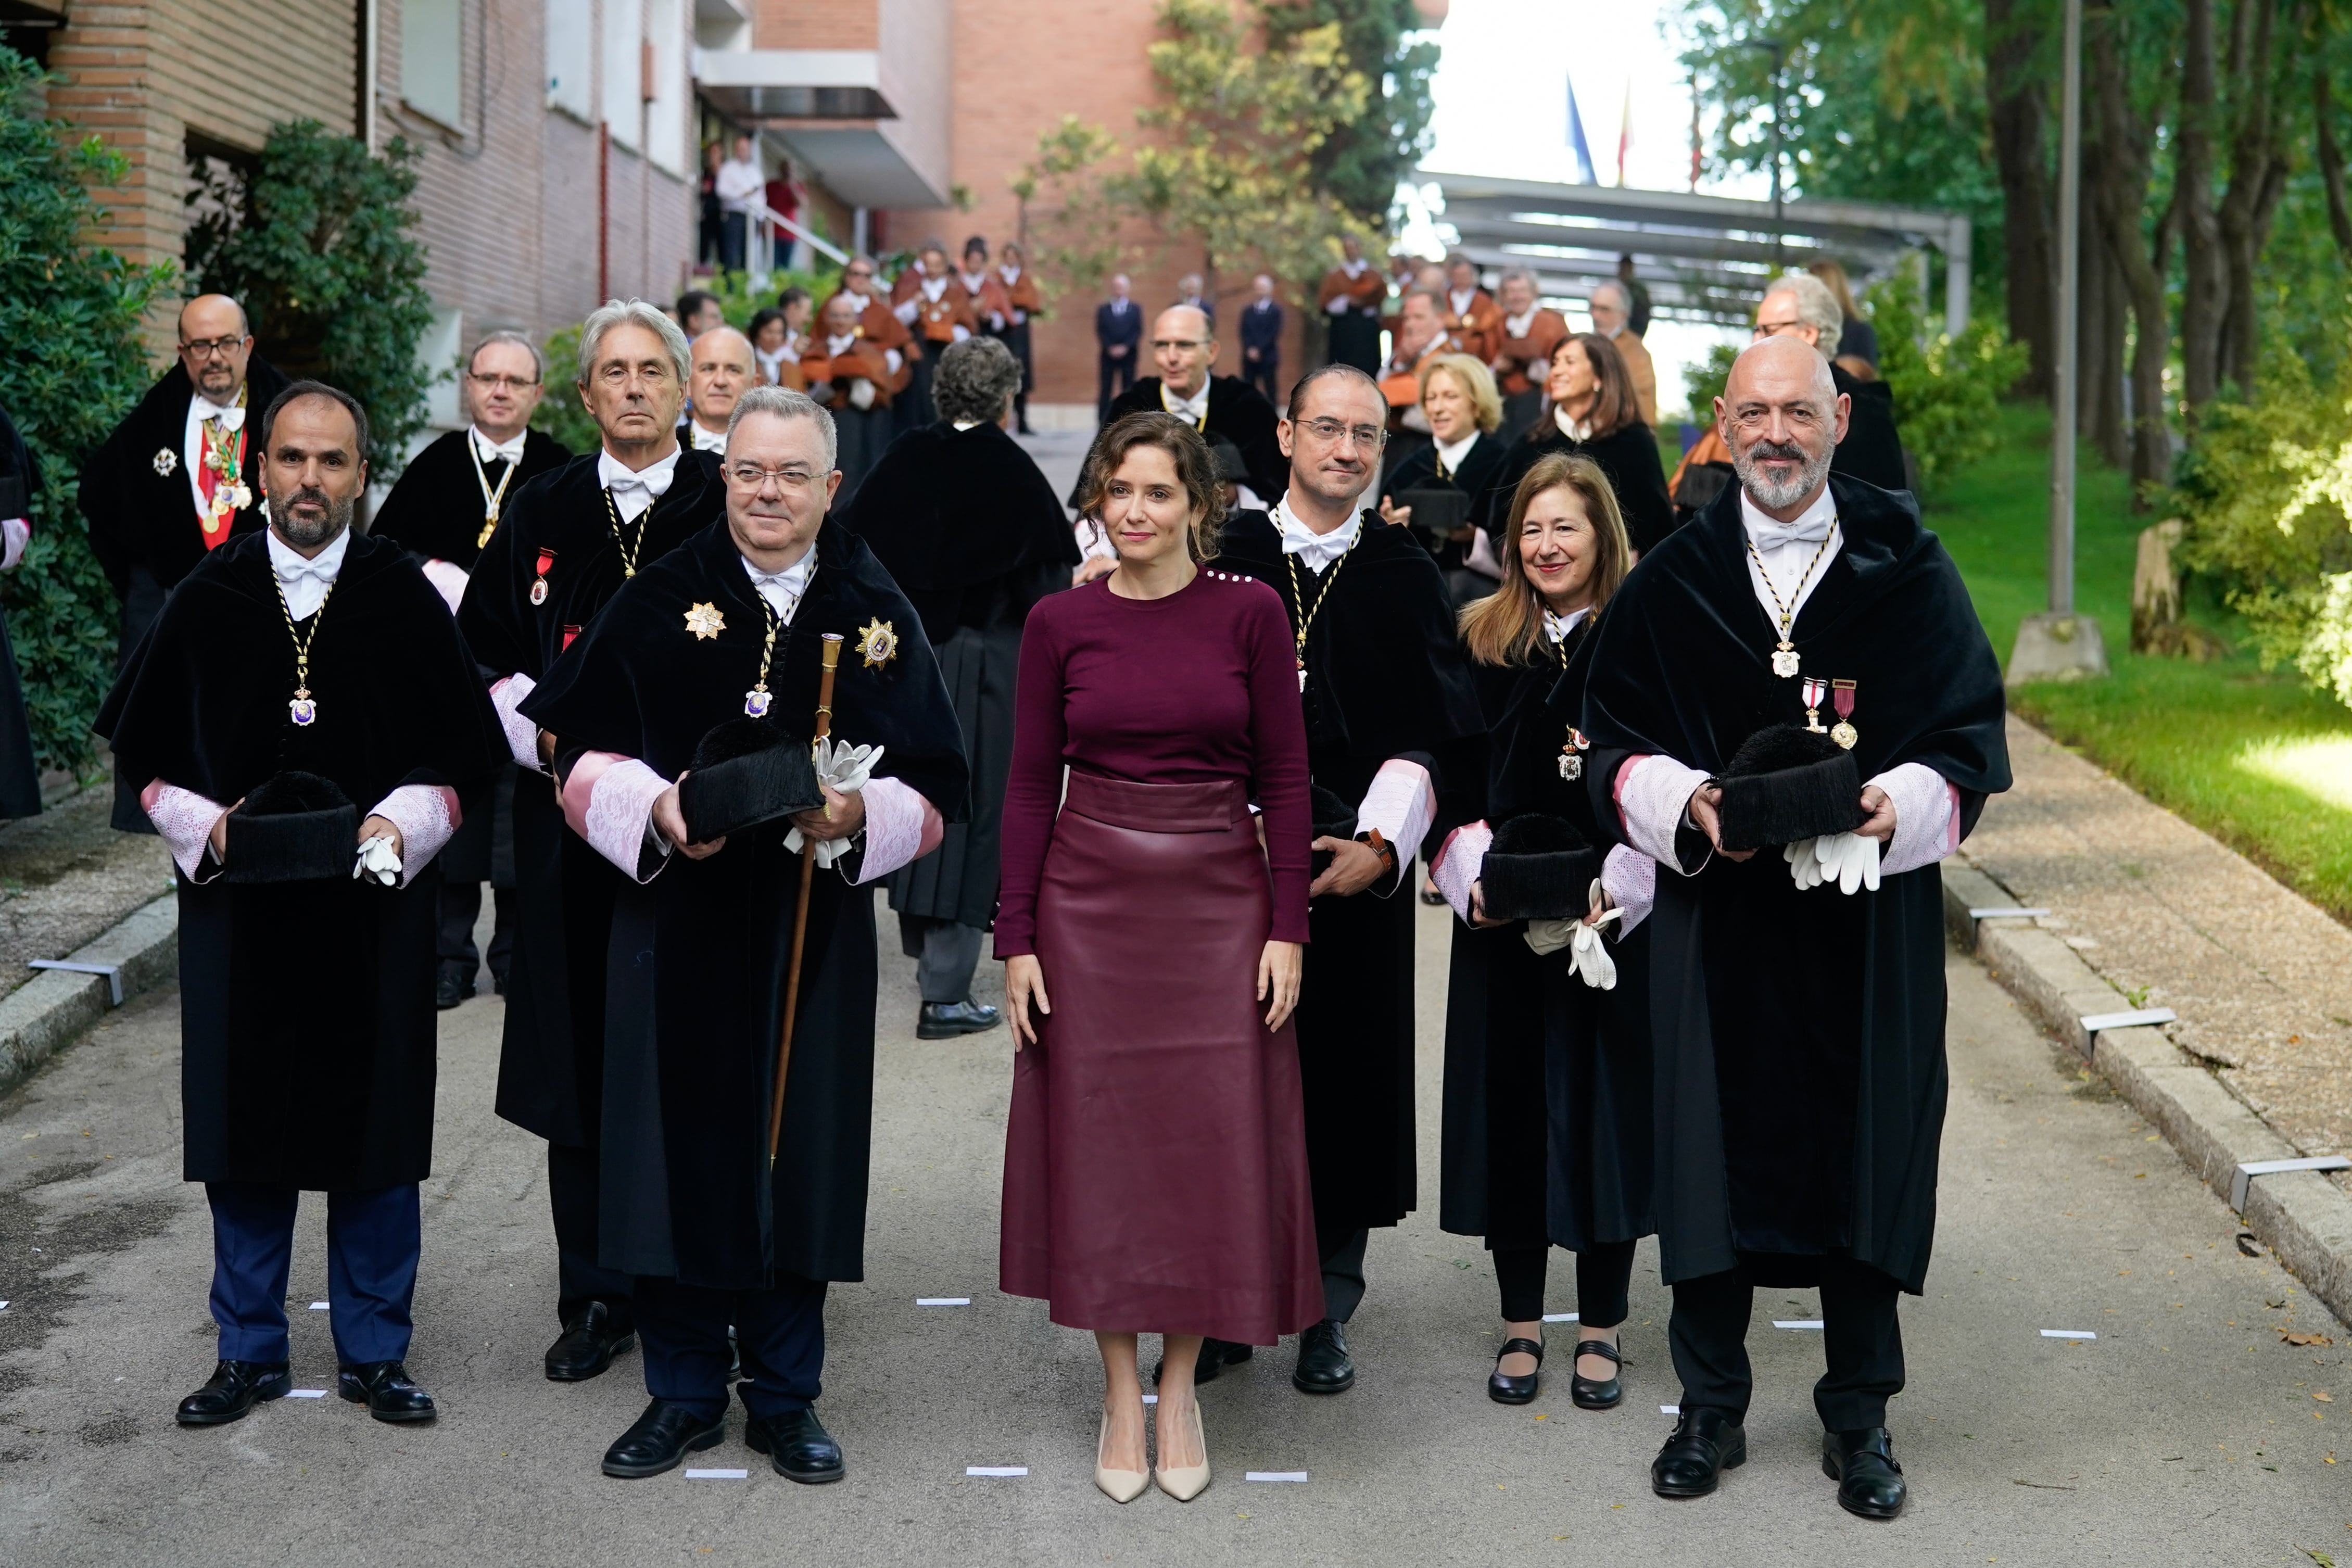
x=2261 y=977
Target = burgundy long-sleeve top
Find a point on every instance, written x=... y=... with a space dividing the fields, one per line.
x=1192 y=688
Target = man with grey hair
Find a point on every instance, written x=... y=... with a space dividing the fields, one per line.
x=1802 y=1075
x=562 y=547
x=731 y=1193
x=442 y=510
x=723 y=367
x=965 y=522
x=1800 y=305
x=1611 y=307
x=1530 y=331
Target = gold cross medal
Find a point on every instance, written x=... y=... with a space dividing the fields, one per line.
x=1571 y=764
x=878 y=642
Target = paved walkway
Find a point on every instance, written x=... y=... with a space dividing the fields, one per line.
x=66 y=875
x=2190 y=1430
x=2261 y=977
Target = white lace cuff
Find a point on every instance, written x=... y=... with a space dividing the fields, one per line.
x=426 y=815
x=448 y=580
x=608 y=800
x=1631 y=879
x=16 y=533
x=1401 y=803
x=1927 y=817
x=185 y=820
x=1653 y=793
x=901 y=826
x=522 y=735
x=1459 y=860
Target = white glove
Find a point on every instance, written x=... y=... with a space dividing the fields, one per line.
x=377 y=858
x=1848 y=859
x=861 y=395
x=1337 y=307
x=1591 y=958
x=846 y=768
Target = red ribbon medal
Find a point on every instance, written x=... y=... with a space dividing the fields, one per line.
x=1841 y=697
x=1814 y=691
x=539 y=587
x=569 y=633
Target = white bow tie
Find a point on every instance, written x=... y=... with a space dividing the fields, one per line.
x=1809 y=529
x=232 y=417
x=653 y=481
x=492 y=452
x=318 y=568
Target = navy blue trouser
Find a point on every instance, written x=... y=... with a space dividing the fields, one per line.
x=682 y=1329
x=373 y=1239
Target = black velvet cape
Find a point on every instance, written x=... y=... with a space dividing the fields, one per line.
x=698 y=953
x=551 y=1060
x=968 y=527
x=436 y=508
x=1629 y=460
x=1474 y=479
x=1546 y=1135
x=1872 y=450
x=306 y=1018
x=1799 y=1035
x=20 y=775
x=143 y=519
x=1387 y=678
x=1237 y=411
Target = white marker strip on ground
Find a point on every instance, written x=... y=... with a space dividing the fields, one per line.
x=1151 y=1399
x=2069 y=1334
x=306 y=1394
x=942 y=1301
x=1670 y=1410
x=1796 y=1322
x=996 y=1469
x=4 y=1306
x=1299 y=1475
x=717 y=1475
x=318 y=1305
x=1559 y=1317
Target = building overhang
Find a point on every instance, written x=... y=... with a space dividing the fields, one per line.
x=828 y=106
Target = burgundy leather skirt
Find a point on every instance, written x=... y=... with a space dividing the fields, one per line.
x=1155 y=1161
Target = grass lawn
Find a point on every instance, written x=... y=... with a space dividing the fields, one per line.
x=2252 y=757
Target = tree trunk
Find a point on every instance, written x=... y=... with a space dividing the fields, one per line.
x=2204 y=297
x=2100 y=316
x=2017 y=98
x=2257 y=180
x=2329 y=155
x=2122 y=193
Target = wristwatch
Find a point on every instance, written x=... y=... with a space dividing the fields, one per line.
x=1380 y=847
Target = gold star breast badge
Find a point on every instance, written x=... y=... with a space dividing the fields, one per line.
x=878 y=642
x=705 y=622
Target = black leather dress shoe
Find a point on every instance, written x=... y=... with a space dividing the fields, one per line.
x=660 y=1439
x=1324 y=1365
x=237 y=1386
x=453 y=987
x=387 y=1389
x=946 y=1020
x=1704 y=1444
x=1504 y=1389
x=1215 y=1356
x=1596 y=1394
x=588 y=1346
x=797 y=1444
x=1869 y=1483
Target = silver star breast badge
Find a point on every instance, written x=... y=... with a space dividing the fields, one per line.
x=166 y=460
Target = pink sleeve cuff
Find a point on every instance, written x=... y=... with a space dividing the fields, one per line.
x=1401 y=804
x=522 y=735
x=1653 y=793
x=1927 y=817
x=185 y=820
x=901 y=826
x=448 y=580
x=1458 y=863
x=609 y=801
x=426 y=815
x=1631 y=879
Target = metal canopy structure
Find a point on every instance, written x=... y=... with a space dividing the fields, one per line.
x=1703 y=258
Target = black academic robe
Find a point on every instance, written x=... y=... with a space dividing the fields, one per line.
x=1629 y=460
x=1873 y=449
x=1237 y=411
x=1385 y=678
x=1799 y=1035
x=20 y=773
x=698 y=953
x=1547 y=1103
x=968 y=527
x=436 y=510
x=1474 y=479
x=307 y=1020
x=550 y=1062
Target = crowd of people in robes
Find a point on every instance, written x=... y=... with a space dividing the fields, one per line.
x=1682 y=774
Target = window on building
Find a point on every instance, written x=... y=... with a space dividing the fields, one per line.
x=571 y=58
x=432 y=58
x=666 y=117
x=624 y=69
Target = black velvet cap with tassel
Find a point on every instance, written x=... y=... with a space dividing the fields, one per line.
x=1539 y=867
x=292 y=827
x=745 y=771
x=1784 y=783
x=1334 y=818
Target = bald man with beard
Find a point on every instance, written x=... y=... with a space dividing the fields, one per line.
x=1183 y=348
x=723 y=367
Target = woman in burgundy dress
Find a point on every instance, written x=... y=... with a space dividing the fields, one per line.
x=1155 y=1162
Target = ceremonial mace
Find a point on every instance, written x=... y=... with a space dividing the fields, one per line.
x=830 y=656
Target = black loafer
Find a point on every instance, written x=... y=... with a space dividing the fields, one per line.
x=237 y=1386
x=387 y=1389
x=946 y=1020
x=659 y=1440
x=1596 y=1394
x=588 y=1345
x=1862 y=1462
x=453 y=987
x=1324 y=1364
x=1215 y=1356
x=797 y=1444
x=1704 y=1445
x=1504 y=1389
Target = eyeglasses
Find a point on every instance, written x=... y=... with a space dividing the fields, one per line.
x=752 y=478
x=1331 y=432
x=211 y=348
x=501 y=383
x=1774 y=328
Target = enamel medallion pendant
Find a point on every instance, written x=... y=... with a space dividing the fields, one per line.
x=1784 y=660
x=303 y=709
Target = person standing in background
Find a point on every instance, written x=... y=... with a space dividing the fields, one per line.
x=1612 y=307
x=1351 y=295
x=1471 y=313
x=855 y=379
x=1800 y=305
x=1020 y=290
x=1530 y=331
x=739 y=183
x=1637 y=318
x=1857 y=344
x=787 y=197
x=1119 y=333
x=1590 y=411
x=707 y=226
x=1188 y=292
x=1262 y=339
x=698 y=311
x=937 y=312
x=723 y=368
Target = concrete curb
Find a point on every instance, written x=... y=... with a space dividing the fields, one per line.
x=42 y=1017
x=2301 y=1216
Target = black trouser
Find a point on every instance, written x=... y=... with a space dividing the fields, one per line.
x=1113 y=377
x=1342 y=1253
x=1263 y=373
x=1860 y=1337
x=461 y=906
x=946 y=954
x=580 y=1279
x=1603 y=1273
x=780 y=1332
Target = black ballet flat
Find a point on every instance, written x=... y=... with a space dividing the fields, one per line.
x=1507 y=1390
x=1590 y=1394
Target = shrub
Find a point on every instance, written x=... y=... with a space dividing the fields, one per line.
x=70 y=314
x=1945 y=393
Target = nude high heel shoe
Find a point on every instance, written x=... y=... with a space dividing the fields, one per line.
x=1185 y=1483
x=1119 y=1485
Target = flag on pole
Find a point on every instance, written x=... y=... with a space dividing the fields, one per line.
x=1624 y=133
x=1586 y=174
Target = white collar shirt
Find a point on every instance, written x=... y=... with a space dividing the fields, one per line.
x=783 y=590
x=1461 y=298
x=1194 y=408
x=633 y=492
x=838 y=345
x=1315 y=550
x=933 y=288
x=1451 y=453
x=305 y=583
x=1574 y=429
x=490 y=451
x=1556 y=627
x=1517 y=326
x=191 y=447
x=707 y=440
x=1786 y=551
x=738 y=184
x=1354 y=269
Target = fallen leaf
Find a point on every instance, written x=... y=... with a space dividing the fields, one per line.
x=2294 y=1339
x=2324 y=1397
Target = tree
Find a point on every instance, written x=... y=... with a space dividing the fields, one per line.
x=1361 y=164
x=71 y=313
x=315 y=243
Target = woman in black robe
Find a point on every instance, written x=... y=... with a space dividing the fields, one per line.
x=1589 y=409
x=1547 y=1094
x=1460 y=464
